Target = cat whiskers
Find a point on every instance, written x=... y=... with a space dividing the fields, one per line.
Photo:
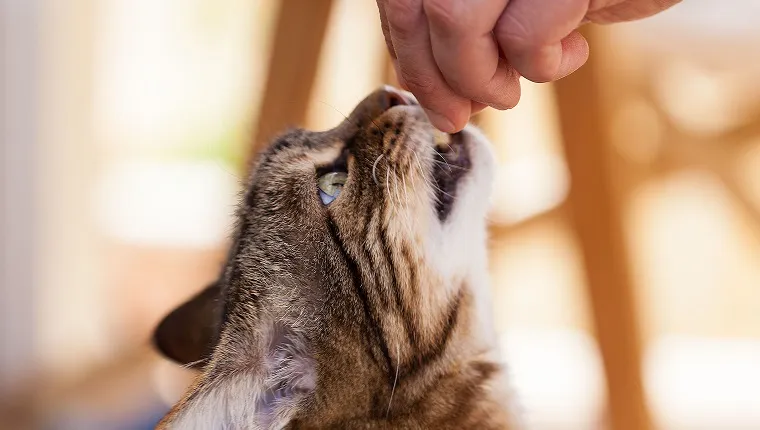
x=336 y=110
x=388 y=189
x=419 y=166
x=349 y=119
x=443 y=158
x=403 y=214
x=408 y=218
x=448 y=165
x=193 y=363
x=424 y=177
x=396 y=193
x=395 y=203
x=374 y=169
x=431 y=182
x=395 y=381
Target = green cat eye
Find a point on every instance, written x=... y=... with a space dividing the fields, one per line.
x=330 y=185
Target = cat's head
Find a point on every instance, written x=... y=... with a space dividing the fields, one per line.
x=359 y=259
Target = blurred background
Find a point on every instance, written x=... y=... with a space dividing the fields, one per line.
x=625 y=223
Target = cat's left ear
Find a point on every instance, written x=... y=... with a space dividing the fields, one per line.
x=258 y=379
x=188 y=334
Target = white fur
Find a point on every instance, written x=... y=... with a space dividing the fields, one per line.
x=248 y=399
x=222 y=406
x=235 y=403
x=458 y=247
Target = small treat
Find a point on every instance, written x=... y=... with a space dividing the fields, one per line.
x=441 y=139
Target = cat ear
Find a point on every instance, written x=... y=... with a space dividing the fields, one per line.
x=188 y=334
x=263 y=381
x=290 y=376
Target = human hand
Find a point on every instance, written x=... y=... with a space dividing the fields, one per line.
x=459 y=56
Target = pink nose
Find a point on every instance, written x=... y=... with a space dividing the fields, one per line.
x=384 y=99
x=390 y=96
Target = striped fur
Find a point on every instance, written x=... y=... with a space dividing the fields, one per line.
x=371 y=312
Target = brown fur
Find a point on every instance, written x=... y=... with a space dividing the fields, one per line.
x=340 y=315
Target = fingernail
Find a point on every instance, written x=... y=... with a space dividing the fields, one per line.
x=440 y=122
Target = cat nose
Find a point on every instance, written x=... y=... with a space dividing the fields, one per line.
x=384 y=99
x=390 y=96
x=374 y=105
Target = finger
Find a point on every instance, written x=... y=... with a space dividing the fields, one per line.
x=410 y=35
x=607 y=12
x=575 y=52
x=399 y=78
x=465 y=50
x=531 y=34
x=476 y=107
x=384 y=26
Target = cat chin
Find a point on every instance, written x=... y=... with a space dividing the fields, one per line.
x=458 y=245
x=457 y=249
x=475 y=188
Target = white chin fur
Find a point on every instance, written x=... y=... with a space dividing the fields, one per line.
x=458 y=245
x=457 y=248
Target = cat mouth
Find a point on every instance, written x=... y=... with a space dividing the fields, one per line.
x=451 y=163
x=451 y=156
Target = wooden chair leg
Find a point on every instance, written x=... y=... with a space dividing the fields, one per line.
x=299 y=35
x=597 y=220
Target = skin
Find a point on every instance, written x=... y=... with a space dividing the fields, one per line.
x=459 y=56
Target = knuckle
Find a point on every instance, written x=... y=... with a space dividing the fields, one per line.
x=402 y=15
x=451 y=15
x=422 y=86
x=469 y=88
x=497 y=90
x=515 y=34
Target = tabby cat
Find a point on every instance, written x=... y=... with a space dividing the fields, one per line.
x=355 y=294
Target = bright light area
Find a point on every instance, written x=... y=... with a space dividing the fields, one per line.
x=704 y=384
x=354 y=64
x=557 y=377
x=167 y=69
x=527 y=186
x=691 y=247
x=167 y=204
x=693 y=383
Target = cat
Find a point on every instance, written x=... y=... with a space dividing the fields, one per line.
x=355 y=294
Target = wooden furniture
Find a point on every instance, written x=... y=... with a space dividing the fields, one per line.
x=296 y=48
x=596 y=218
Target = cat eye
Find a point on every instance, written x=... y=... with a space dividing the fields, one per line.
x=330 y=185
